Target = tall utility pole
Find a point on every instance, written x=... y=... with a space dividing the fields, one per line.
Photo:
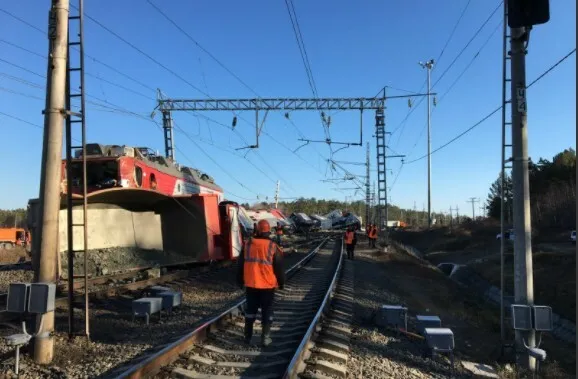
x=523 y=272
x=457 y=214
x=277 y=194
x=451 y=217
x=428 y=65
x=367 y=189
x=473 y=200
x=49 y=195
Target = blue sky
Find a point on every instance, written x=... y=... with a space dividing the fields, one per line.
x=353 y=51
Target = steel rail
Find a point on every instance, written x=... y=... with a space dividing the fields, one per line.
x=152 y=364
x=295 y=365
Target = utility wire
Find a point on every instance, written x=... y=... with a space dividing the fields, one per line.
x=495 y=110
x=21 y=120
x=453 y=32
x=468 y=44
x=43 y=32
x=476 y=55
x=403 y=123
x=202 y=48
x=306 y=63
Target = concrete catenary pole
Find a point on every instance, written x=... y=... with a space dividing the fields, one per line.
x=428 y=65
x=54 y=117
x=523 y=272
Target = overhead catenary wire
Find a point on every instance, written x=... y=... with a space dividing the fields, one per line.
x=142 y=95
x=540 y=77
x=306 y=63
x=170 y=20
x=410 y=112
x=144 y=85
x=106 y=104
x=460 y=76
x=469 y=42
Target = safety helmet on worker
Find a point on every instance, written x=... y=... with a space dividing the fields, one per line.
x=263 y=227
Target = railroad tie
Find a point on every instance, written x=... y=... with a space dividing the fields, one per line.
x=330 y=352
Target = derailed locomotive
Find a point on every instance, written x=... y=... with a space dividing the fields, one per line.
x=143 y=205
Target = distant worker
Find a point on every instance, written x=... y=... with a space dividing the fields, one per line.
x=350 y=240
x=260 y=270
x=279 y=233
x=372 y=236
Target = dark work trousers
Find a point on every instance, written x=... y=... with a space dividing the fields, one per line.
x=350 y=250
x=372 y=242
x=260 y=298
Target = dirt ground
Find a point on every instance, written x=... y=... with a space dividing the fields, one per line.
x=13 y=255
x=398 y=277
x=477 y=247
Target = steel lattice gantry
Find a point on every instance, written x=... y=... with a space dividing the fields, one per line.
x=166 y=106
x=277 y=104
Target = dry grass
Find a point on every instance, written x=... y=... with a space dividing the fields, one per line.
x=547 y=371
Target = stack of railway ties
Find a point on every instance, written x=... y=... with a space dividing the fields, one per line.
x=158 y=299
x=429 y=327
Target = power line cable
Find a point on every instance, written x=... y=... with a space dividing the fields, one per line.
x=453 y=31
x=202 y=48
x=476 y=55
x=495 y=110
x=468 y=44
x=43 y=32
x=420 y=101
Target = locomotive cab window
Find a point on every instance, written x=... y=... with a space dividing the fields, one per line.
x=138 y=175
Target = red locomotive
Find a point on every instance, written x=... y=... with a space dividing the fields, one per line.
x=155 y=210
x=113 y=166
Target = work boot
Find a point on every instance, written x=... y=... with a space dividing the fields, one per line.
x=248 y=331
x=266 y=335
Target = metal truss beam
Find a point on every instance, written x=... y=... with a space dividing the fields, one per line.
x=287 y=104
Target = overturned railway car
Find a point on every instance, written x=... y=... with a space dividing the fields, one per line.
x=143 y=210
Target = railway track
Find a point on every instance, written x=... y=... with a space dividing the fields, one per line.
x=215 y=348
x=104 y=287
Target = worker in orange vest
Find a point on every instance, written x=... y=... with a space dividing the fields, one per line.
x=279 y=233
x=260 y=271
x=350 y=239
x=372 y=236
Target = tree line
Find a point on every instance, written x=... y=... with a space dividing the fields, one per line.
x=10 y=218
x=552 y=192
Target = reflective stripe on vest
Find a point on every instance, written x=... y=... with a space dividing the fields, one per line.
x=348 y=238
x=258 y=267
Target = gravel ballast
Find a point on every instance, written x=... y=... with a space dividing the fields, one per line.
x=396 y=278
x=116 y=339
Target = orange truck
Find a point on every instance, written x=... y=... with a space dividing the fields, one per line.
x=10 y=237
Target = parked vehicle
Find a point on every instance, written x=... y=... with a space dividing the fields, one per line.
x=10 y=237
x=573 y=237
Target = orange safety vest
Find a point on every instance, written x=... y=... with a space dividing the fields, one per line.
x=349 y=238
x=373 y=232
x=258 y=266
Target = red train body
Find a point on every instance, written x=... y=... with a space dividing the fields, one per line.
x=140 y=200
